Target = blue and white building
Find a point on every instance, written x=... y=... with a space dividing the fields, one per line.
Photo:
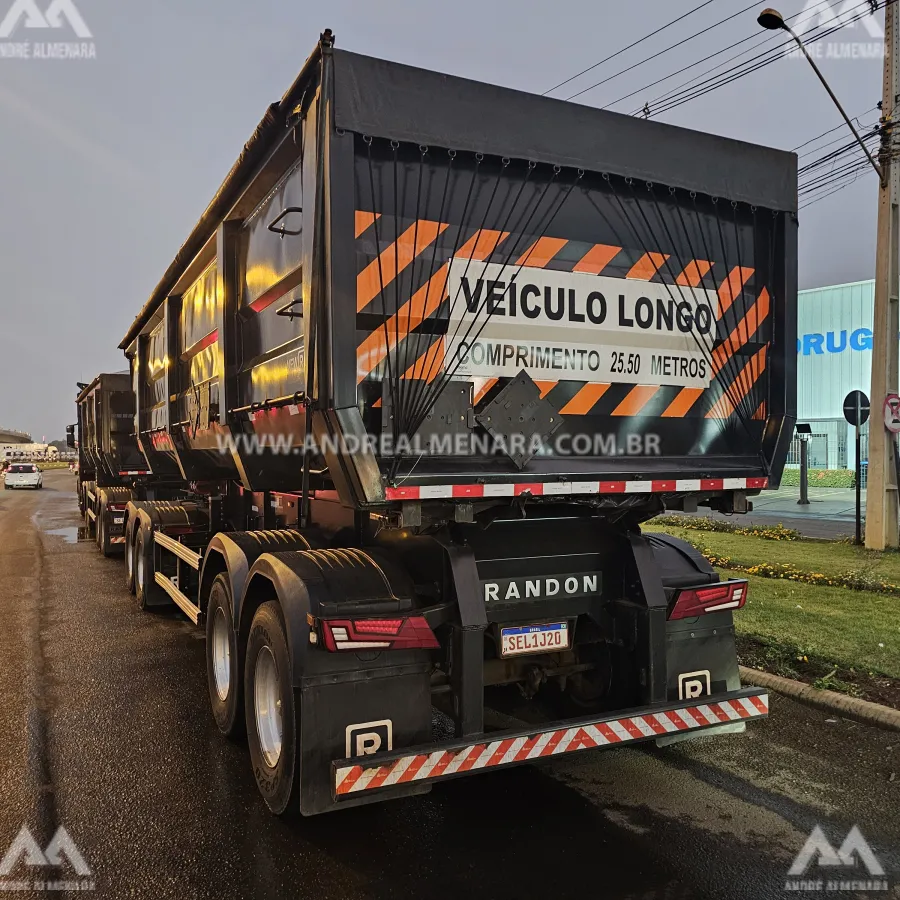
x=834 y=357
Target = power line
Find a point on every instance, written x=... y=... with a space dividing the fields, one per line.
x=665 y=50
x=827 y=194
x=676 y=91
x=748 y=67
x=825 y=184
x=818 y=185
x=634 y=44
x=652 y=103
x=827 y=190
x=685 y=84
x=832 y=176
x=863 y=127
x=831 y=189
x=830 y=130
x=814 y=171
x=756 y=63
x=676 y=97
x=834 y=153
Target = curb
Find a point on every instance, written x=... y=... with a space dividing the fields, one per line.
x=829 y=701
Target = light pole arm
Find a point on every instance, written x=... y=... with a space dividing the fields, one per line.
x=837 y=103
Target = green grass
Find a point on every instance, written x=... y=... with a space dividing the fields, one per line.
x=837 y=626
x=43 y=466
x=810 y=556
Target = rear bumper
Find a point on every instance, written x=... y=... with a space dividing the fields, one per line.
x=437 y=762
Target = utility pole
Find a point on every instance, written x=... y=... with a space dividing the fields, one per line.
x=881 y=490
x=884 y=467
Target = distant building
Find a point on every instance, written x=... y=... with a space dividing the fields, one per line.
x=834 y=357
x=8 y=436
x=19 y=445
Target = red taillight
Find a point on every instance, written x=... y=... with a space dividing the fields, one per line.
x=117 y=507
x=715 y=598
x=411 y=633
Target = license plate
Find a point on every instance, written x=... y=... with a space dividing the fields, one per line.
x=118 y=520
x=546 y=638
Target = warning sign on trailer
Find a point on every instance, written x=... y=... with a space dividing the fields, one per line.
x=559 y=325
x=561 y=361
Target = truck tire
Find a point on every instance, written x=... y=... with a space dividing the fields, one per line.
x=269 y=709
x=107 y=548
x=102 y=537
x=86 y=503
x=91 y=523
x=224 y=672
x=98 y=522
x=143 y=571
x=129 y=565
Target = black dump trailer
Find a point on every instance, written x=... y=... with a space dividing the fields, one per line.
x=430 y=358
x=110 y=463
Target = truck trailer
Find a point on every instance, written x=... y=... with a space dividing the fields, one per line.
x=430 y=358
x=111 y=468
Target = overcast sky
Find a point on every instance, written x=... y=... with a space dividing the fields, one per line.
x=108 y=163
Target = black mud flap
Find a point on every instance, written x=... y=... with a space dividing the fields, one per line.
x=354 y=716
x=701 y=662
x=701 y=658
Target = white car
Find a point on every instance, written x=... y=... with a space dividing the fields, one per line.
x=23 y=475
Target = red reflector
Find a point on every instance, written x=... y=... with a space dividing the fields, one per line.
x=378 y=626
x=117 y=507
x=692 y=602
x=411 y=633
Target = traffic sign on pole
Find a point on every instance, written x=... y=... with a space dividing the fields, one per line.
x=856 y=408
x=892 y=413
x=856 y=412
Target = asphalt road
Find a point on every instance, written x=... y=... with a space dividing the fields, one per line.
x=105 y=730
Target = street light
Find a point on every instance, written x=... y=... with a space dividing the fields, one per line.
x=774 y=21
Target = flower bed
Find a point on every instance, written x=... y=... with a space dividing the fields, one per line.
x=697 y=523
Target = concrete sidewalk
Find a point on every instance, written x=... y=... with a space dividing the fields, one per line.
x=831 y=512
x=824 y=503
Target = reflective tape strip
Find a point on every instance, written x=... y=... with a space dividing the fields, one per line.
x=458 y=760
x=498 y=490
x=665 y=723
x=434 y=492
x=351 y=778
x=643 y=726
x=563 y=488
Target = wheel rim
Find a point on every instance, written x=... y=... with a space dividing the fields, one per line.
x=129 y=562
x=140 y=568
x=267 y=704
x=221 y=650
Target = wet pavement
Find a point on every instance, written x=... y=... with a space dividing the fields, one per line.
x=106 y=730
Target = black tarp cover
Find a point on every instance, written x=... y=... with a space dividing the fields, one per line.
x=390 y=100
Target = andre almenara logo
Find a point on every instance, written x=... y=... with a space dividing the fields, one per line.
x=45 y=29
x=59 y=867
